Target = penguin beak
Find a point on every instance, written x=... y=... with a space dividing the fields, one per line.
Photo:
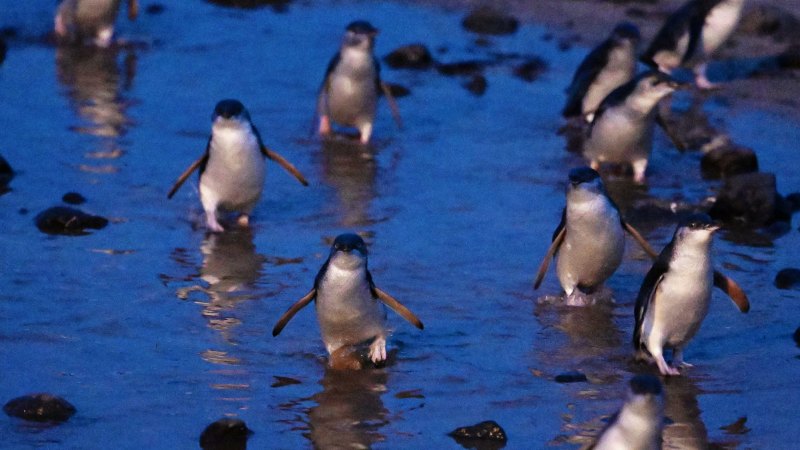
x=713 y=227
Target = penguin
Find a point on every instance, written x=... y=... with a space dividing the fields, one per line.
x=622 y=129
x=232 y=169
x=608 y=66
x=78 y=21
x=691 y=35
x=639 y=423
x=676 y=292
x=350 y=307
x=590 y=240
x=349 y=92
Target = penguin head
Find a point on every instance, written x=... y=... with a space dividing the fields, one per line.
x=360 y=34
x=230 y=110
x=626 y=31
x=584 y=180
x=697 y=228
x=652 y=86
x=645 y=394
x=348 y=251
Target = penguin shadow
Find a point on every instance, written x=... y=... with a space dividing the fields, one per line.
x=349 y=412
x=685 y=427
x=94 y=81
x=350 y=168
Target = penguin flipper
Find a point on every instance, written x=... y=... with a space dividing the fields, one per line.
x=133 y=9
x=585 y=75
x=733 y=290
x=387 y=92
x=640 y=240
x=298 y=305
x=287 y=166
x=647 y=292
x=558 y=239
x=397 y=307
x=185 y=175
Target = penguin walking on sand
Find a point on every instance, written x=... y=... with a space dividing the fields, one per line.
x=676 y=293
x=78 y=21
x=232 y=169
x=691 y=35
x=639 y=423
x=590 y=240
x=608 y=66
x=622 y=129
x=350 y=307
x=350 y=89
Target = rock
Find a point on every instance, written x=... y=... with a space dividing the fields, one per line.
x=572 y=376
x=470 y=67
x=488 y=432
x=530 y=69
x=278 y=5
x=155 y=9
x=796 y=336
x=412 y=56
x=40 y=408
x=477 y=84
x=793 y=200
x=787 y=278
x=73 y=198
x=490 y=21
x=398 y=91
x=68 y=221
x=728 y=160
x=789 y=59
x=750 y=201
x=6 y=174
x=767 y=20
x=225 y=434
x=3 y=50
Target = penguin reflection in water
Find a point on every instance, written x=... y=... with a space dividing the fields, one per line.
x=349 y=92
x=638 y=424
x=232 y=169
x=590 y=240
x=349 y=305
x=79 y=21
x=676 y=293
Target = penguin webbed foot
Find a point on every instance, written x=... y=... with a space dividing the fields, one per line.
x=243 y=220
x=212 y=224
x=377 y=350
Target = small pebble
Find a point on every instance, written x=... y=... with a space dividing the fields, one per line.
x=573 y=376
x=485 y=431
x=226 y=433
x=477 y=84
x=40 y=408
x=413 y=56
x=68 y=221
x=797 y=336
x=787 y=278
x=489 y=21
x=530 y=69
x=73 y=198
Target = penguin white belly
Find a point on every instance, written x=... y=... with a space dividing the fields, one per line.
x=620 y=136
x=352 y=101
x=719 y=25
x=346 y=311
x=620 y=70
x=593 y=246
x=680 y=305
x=669 y=59
x=235 y=170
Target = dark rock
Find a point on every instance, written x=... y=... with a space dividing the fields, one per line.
x=788 y=278
x=225 y=434
x=796 y=336
x=767 y=20
x=728 y=160
x=488 y=432
x=530 y=69
x=6 y=174
x=155 y=9
x=789 y=58
x=3 y=50
x=793 y=200
x=477 y=84
x=413 y=56
x=398 y=91
x=489 y=21
x=73 y=198
x=40 y=408
x=68 y=221
x=470 y=67
x=573 y=376
x=750 y=201
x=277 y=5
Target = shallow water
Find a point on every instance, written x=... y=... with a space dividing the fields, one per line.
x=153 y=329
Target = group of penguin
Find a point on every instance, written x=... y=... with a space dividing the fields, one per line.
x=620 y=111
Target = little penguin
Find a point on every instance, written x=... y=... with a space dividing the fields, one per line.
x=590 y=239
x=608 y=66
x=232 y=169
x=639 y=423
x=622 y=129
x=79 y=21
x=350 y=307
x=675 y=294
x=691 y=35
x=350 y=89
